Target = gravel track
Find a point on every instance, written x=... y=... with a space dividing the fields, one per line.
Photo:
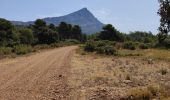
x=42 y=76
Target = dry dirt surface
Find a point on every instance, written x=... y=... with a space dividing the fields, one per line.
x=96 y=77
x=42 y=76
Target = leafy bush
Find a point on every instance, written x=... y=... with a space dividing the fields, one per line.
x=5 y=50
x=55 y=45
x=101 y=47
x=100 y=43
x=26 y=36
x=72 y=41
x=147 y=40
x=90 y=46
x=105 y=43
x=110 y=50
x=22 y=49
x=167 y=43
x=143 y=46
x=129 y=45
x=100 y=50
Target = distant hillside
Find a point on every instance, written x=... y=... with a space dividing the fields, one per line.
x=84 y=18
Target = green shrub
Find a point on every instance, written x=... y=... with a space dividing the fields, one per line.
x=100 y=43
x=101 y=47
x=164 y=45
x=110 y=50
x=72 y=41
x=100 y=50
x=67 y=42
x=129 y=45
x=56 y=45
x=148 y=40
x=22 y=49
x=5 y=50
x=105 y=43
x=167 y=43
x=90 y=46
x=143 y=46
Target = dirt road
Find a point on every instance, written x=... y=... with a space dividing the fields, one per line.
x=42 y=76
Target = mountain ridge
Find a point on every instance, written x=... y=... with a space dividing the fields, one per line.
x=83 y=17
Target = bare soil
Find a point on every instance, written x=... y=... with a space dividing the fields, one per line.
x=96 y=77
x=42 y=76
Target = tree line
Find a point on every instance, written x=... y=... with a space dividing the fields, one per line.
x=112 y=34
x=39 y=33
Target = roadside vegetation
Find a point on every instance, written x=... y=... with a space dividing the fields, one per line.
x=21 y=40
x=144 y=44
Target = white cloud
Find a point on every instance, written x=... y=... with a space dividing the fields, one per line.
x=103 y=13
x=106 y=16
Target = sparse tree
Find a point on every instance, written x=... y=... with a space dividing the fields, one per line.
x=110 y=33
x=164 y=13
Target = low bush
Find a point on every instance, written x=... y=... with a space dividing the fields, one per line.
x=22 y=49
x=108 y=50
x=129 y=45
x=164 y=45
x=100 y=43
x=72 y=41
x=56 y=45
x=105 y=43
x=167 y=43
x=100 y=50
x=67 y=42
x=143 y=46
x=90 y=46
x=5 y=50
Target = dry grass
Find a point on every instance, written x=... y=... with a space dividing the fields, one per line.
x=149 y=53
x=96 y=77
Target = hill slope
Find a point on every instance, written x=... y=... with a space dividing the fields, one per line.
x=84 y=18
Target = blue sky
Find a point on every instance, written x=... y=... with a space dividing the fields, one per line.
x=126 y=15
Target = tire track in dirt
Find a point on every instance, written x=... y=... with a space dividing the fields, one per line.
x=42 y=76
